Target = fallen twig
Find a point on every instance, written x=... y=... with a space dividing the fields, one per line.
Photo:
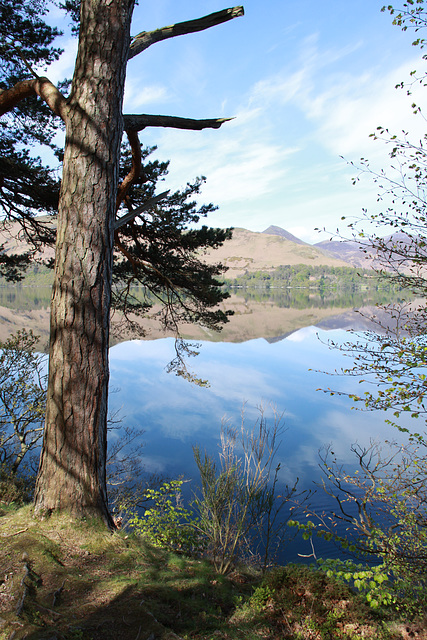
x=5 y=535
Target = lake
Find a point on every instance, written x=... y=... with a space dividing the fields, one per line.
x=271 y=356
x=176 y=415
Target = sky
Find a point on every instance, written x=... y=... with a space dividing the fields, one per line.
x=306 y=83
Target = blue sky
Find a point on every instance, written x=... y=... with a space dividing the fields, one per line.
x=307 y=82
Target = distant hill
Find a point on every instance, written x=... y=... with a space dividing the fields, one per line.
x=13 y=241
x=351 y=251
x=282 y=233
x=254 y=251
x=246 y=251
x=346 y=250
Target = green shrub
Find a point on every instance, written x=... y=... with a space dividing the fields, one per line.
x=15 y=489
x=380 y=585
x=305 y=604
x=372 y=581
x=260 y=597
x=383 y=506
x=166 y=523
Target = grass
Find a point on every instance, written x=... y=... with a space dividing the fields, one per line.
x=64 y=580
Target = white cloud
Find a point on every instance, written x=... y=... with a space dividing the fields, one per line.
x=64 y=67
x=262 y=152
x=249 y=173
x=353 y=106
x=306 y=233
x=323 y=119
x=279 y=88
x=239 y=166
x=136 y=97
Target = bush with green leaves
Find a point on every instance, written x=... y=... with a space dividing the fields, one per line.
x=15 y=489
x=372 y=581
x=166 y=522
x=381 y=517
x=307 y=604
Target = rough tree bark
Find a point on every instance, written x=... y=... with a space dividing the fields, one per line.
x=72 y=467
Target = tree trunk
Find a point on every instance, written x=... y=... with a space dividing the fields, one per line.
x=72 y=466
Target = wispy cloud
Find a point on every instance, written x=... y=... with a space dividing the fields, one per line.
x=64 y=67
x=137 y=96
x=354 y=106
x=239 y=166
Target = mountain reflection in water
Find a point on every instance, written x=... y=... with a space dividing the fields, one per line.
x=257 y=314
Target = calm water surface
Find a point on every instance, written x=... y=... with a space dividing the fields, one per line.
x=175 y=415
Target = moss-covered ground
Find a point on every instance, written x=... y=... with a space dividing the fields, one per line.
x=62 y=580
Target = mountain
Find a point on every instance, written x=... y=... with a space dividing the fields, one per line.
x=13 y=241
x=352 y=252
x=346 y=250
x=282 y=233
x=246 y=251
x=254 y=251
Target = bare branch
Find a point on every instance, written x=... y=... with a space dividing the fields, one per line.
x=42 y=87
x=135 y=170
x=136 y=212
x=9 y=98
x=146 y=38
x=139 y=122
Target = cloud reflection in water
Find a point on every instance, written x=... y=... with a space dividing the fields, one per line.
x=176 y=414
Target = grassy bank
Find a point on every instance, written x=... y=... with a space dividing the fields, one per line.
x=70 y=582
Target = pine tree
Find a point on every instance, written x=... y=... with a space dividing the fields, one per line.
x=28 y=189
x=97 y=216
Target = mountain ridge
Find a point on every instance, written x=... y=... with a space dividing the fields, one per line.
x=279 y=231
x=260 y=251
x=246 y=251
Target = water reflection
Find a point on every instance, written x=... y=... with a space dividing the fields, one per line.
x=308 y=298
x=272 y=314
x=19 y=297
x=176 y=415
